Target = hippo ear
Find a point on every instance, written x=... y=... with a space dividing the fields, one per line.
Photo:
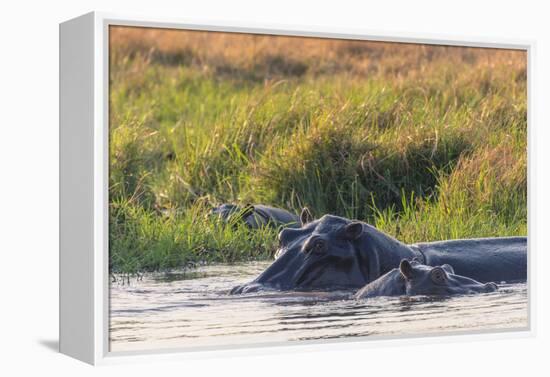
x=448 y=268
x=306 y=216
x=406 y=269
x=354 y=230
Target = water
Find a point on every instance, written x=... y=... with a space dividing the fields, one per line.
x=193 y=309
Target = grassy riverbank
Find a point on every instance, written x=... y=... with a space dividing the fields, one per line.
x=426 y=143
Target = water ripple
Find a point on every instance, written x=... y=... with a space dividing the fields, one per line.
x=193 y=309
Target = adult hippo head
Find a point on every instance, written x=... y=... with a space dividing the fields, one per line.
x=413 y=278
x=332 y=253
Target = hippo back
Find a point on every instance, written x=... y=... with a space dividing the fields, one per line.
x=390 y=284
x=266 y=214
x=483 y=259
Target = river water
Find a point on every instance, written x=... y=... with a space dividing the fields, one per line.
x=193 y=310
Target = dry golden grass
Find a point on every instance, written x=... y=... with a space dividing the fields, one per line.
x=296 y=56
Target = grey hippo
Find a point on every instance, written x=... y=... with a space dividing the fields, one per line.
x=413 y=278
x=257 y=215
x=335 y=253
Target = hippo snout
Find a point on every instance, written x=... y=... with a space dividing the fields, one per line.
x=246 y=288
x=239 y=289
x=491 y=287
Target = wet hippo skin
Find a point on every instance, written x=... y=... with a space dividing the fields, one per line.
x=335 y=253
x=413 y=278
x=257 y=215
x=484 y=259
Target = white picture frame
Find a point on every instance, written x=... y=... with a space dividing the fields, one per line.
x=84 y=109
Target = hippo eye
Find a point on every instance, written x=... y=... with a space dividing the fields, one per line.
x=438 y=275
x=317 y=246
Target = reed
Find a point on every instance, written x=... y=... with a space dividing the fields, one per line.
x=425 y=142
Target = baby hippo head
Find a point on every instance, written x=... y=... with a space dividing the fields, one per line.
x=439 y=280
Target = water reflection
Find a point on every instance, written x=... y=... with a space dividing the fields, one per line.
x=192 y=309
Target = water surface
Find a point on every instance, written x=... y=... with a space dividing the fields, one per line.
x=192 y=309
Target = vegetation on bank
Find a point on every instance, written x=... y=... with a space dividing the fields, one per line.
x=425 y=142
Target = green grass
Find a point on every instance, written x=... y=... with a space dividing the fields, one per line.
x=141 y=240
x=436 y=153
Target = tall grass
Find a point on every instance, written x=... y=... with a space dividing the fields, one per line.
x=425 y=142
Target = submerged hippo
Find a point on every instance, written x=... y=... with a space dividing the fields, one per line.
x=334 y=253
x=412 y=278
x=256 y=216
